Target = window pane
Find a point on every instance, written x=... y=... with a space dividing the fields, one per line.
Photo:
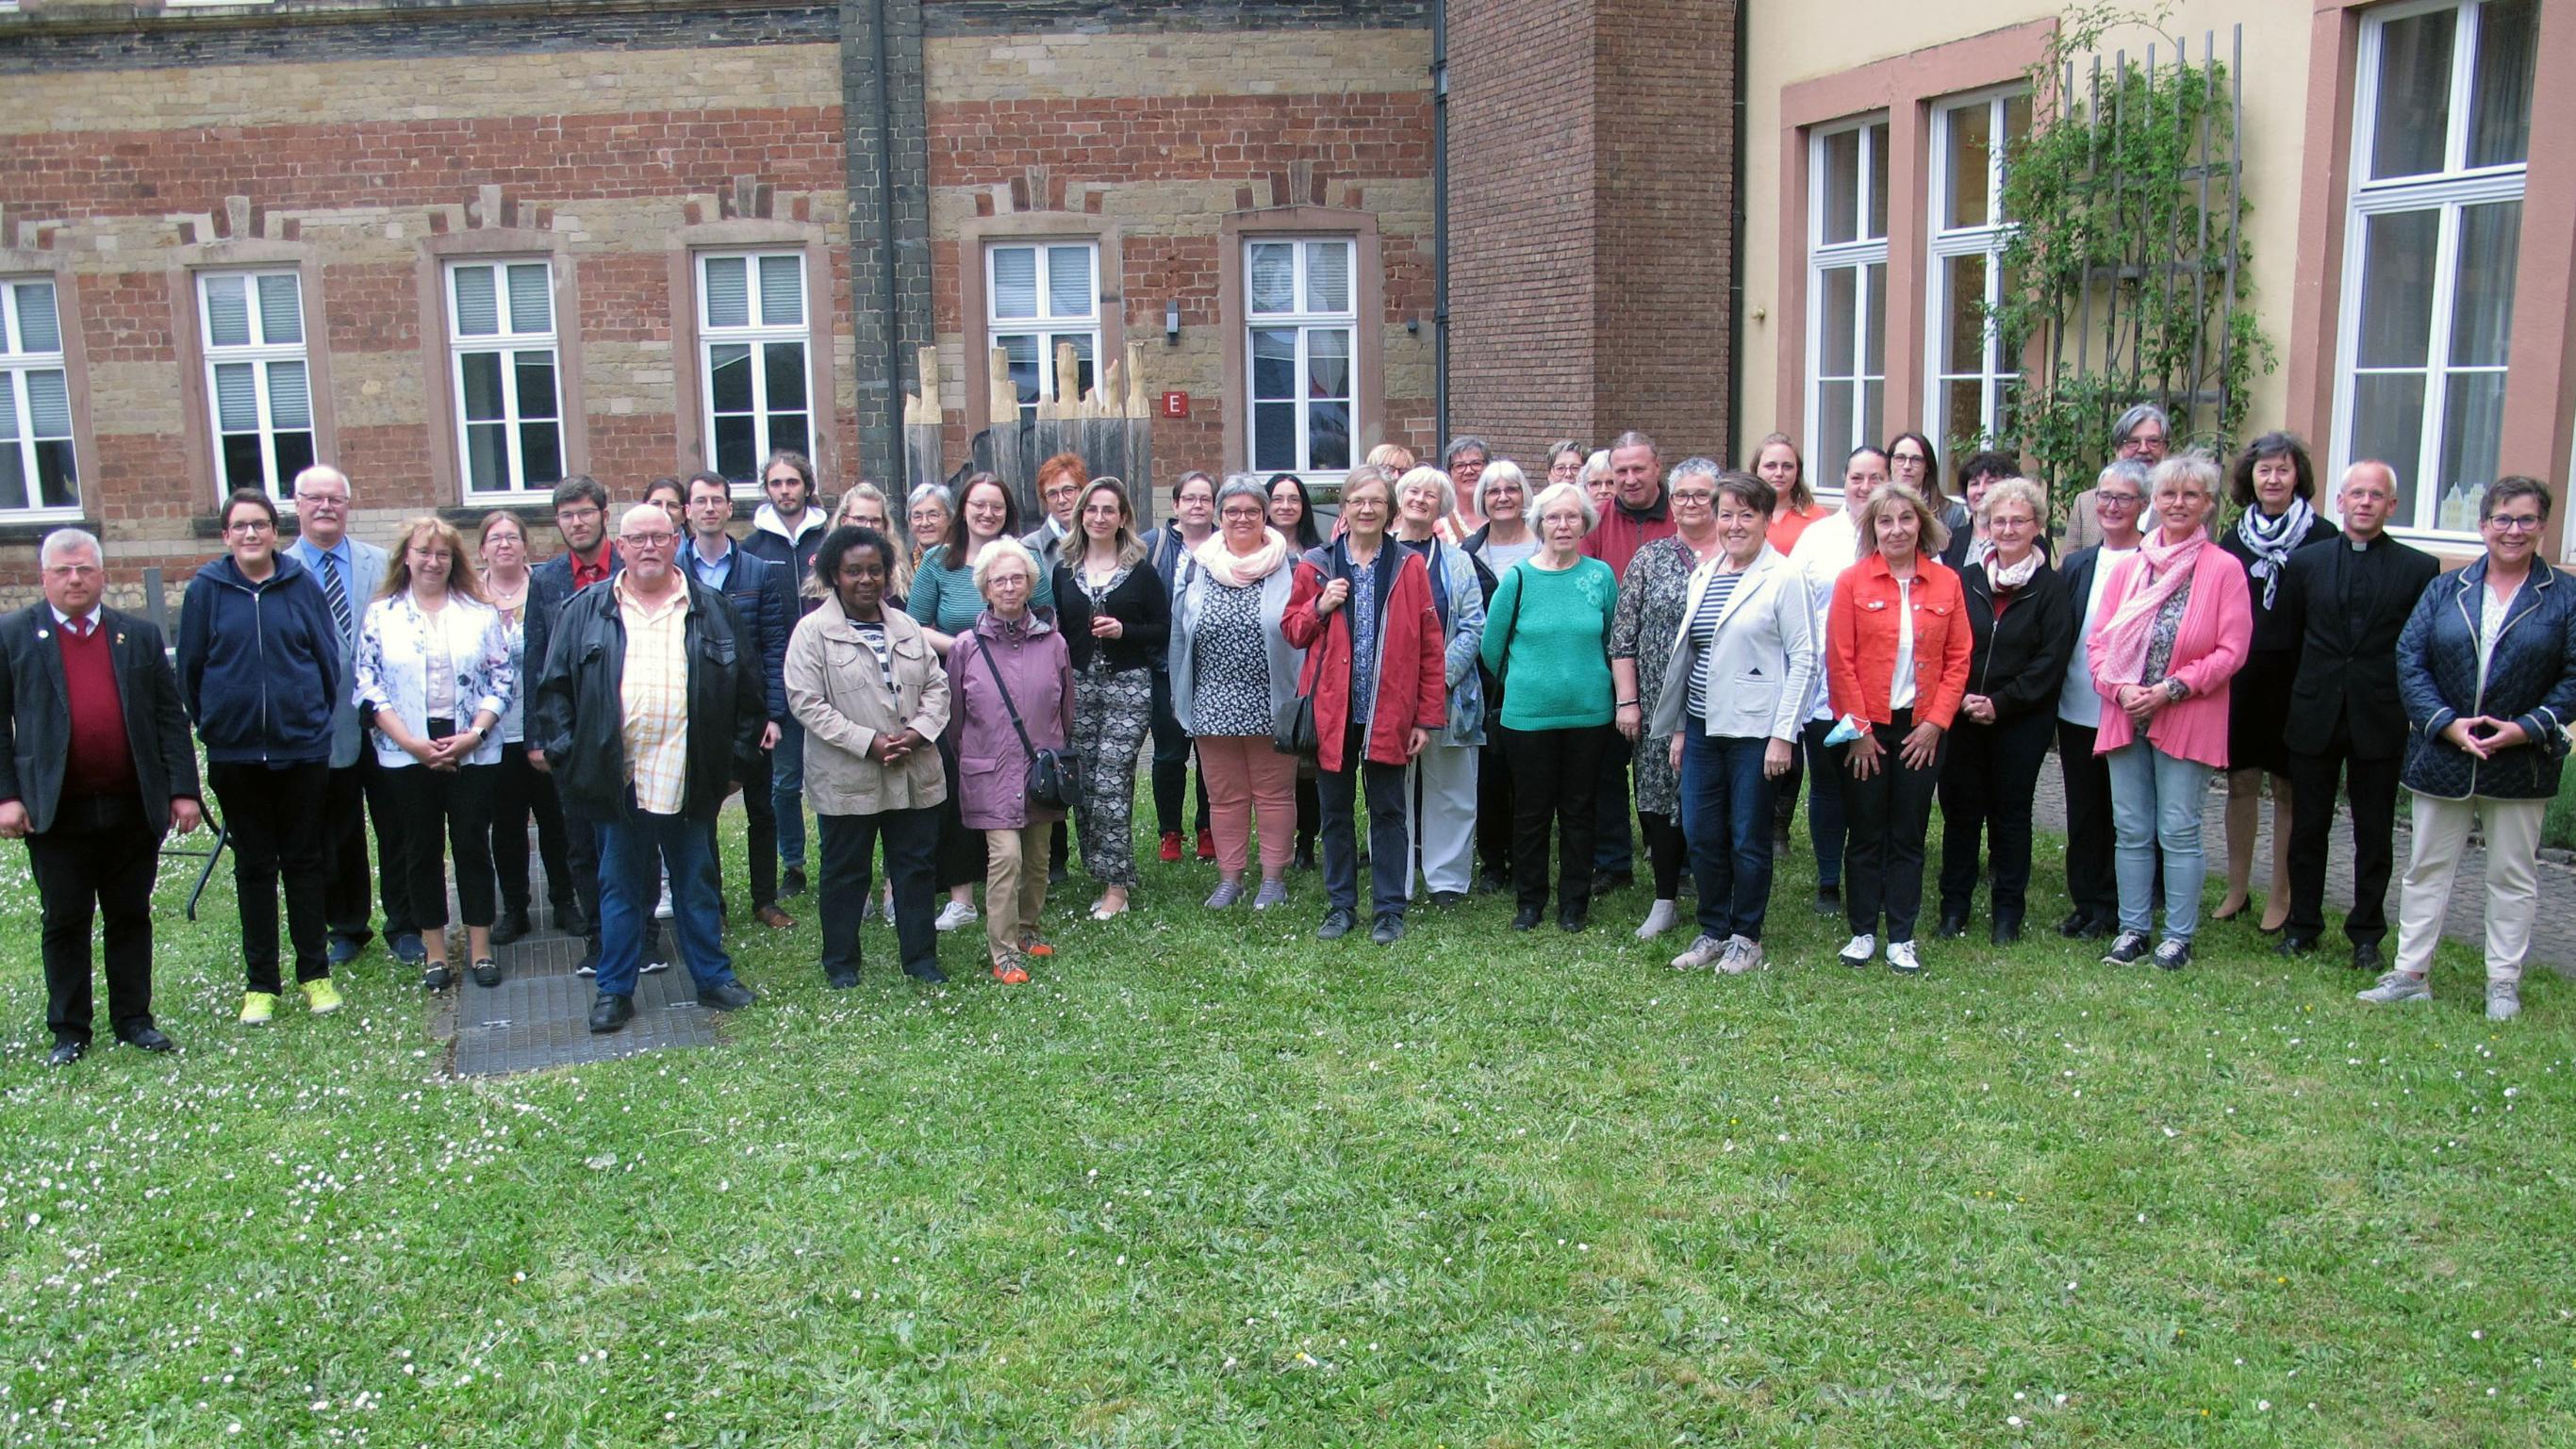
x=1015 y=281
x=1328 y=364
x=1022 y=353
x=1328 y=279
x=1878 y=180
x=242 y=465
x=9 y=410
x=536 y=384
x=1964 y=330
x=1833 y=426
x=1873 y=411
x=1274 y=363
x=1971 y=150
x=483 y=386
x=294 y=455
x=2472 y=429
x=729 y=378
x=57 y=483
x=1873 y=349
x=2411 y=129
x=2482 y=293
x=782 y=291
x=735 y=448
x=236 y=397
x=1840 y=326
x=1274 y=436
x=784 y=362
x=532 y=306
x=13 y=479
x=728 y=292
x=1083 y=381
x=288 y=405
x=281 y=317
x=487 y=457
x=1838 y=178
x=1328 y=435
x=1069 y=292
x=227 y=312
x=2500 y=96
x=2388 y=424
x=478 y=308
x=49 y=404
x=1274 y=277
x=1963 y=410
x=39 y=330
x=540 y=454
x=786 y=430
x=2397 y=289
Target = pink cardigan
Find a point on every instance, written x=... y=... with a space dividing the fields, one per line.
x=2217 y=630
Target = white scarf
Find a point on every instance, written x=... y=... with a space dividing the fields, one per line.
x=2012 y=576
x=1236 y=570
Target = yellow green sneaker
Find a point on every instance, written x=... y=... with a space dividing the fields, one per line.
x=258 y=1007
x=322 y=996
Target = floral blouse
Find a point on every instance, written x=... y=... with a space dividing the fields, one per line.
x=395 y=647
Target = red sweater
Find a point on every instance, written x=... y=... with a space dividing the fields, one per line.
x=101 y=761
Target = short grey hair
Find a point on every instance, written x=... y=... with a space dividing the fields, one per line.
x=2127 y=470
x=1633 y=439
x=1244 y=485
x=1002 y=549
x=928 y=493
x=2032 y=496
x=1547 y=496
x=1441 y=484
x=2140 y=413
x=64 y=540
x=1497 y=473
x=1693 y=468
x=1597 y=465
x=321 y=472
x=1465 y=442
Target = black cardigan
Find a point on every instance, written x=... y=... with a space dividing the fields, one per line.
x=2019 y=659
x=1139 y=602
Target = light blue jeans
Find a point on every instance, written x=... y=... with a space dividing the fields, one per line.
x=2155 y=802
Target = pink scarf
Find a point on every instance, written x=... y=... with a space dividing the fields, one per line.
x=2132 y=626
x=1236 y=570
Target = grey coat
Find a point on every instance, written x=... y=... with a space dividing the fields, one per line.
x=1286 y=659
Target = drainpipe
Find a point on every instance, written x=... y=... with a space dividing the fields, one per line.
x=1440 y=222
x=893 y=452
x=1735 y=252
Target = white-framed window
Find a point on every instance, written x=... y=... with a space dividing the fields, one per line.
x=257 y=386
x=1846 y=290
x=755 y=344
x=503 y=369
x=1970 y=380
x=1301 y=311
x=2441 y=138
x=1037 y=295
x=38 y=473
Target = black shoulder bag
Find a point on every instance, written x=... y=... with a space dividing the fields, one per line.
x=1292 y=728
x=1055 y=781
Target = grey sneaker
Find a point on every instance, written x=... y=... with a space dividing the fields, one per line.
x=2172 y=955
x=2396 y=987
x=1227 y=892
x=2504 y=1000
x=1857 y=952
x=1741 y=956
x=1273 y=892
x=1703 y=952
x=2128 y=950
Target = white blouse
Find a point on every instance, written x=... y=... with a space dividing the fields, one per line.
x=396 y=647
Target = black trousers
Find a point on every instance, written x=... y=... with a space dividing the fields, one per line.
x=959 y=859
x=356 y=795
x=1665 y=848
x=761 y=835
x=1888 y=815
x=1495 y=823
x=1172 y=763
x=459 y=804
x=1390 y=849
x=274 y=819
x=1989 y=773
x=1614 y=844
x=2372 y=788
x=99 y=859
x=848 y=884
x=1556 y=779
x=2089 y=881
x=523 y=791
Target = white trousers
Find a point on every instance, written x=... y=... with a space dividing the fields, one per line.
x=1442 y=792
x=2441 y=830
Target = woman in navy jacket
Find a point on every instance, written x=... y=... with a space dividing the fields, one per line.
x=259 y=667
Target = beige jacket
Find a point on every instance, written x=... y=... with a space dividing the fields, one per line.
x=836 y=691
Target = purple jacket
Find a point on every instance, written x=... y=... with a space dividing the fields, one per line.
x=992 y=769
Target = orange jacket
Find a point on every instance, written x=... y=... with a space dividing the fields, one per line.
x=1860 y=641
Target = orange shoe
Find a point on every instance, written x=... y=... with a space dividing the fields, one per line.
x=1032 y=946
x=1010 y=973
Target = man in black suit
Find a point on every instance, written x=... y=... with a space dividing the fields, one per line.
x=95 y=767
x=2346 y=600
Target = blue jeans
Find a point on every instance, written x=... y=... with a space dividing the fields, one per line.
x=633 y=849
x=1390 y=847
x=1726 y=818
x=787 y=792
x=2155 y=801
x=1826 y=827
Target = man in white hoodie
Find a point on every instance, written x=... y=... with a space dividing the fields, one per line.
x=787 y=530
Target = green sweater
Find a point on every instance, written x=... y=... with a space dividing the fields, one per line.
x=1548 y=637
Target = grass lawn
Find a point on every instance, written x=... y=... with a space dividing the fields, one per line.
x=1206 y=1182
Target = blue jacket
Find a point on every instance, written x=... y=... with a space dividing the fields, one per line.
x=259 y=664
x=764 y=594
x=2531 y=681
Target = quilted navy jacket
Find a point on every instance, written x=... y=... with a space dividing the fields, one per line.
x=2532 y=682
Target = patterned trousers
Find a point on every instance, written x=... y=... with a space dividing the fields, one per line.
x=1112 y=709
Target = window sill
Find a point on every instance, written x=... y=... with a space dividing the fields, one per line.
x=32 y=527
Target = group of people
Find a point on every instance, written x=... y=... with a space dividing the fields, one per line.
x=1497 y=666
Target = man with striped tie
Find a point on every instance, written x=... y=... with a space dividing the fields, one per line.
x=349 y=571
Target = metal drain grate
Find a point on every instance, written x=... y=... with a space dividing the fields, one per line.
x=539 y=1017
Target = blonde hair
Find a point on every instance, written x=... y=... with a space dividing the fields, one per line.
x=2032 y=496
x=1932 y=538
x=898 y=566
x=1395 y=457
x=461 y=573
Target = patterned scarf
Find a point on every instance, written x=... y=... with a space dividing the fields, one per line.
x=2272 y=539
x=2166 y=568
x=2012 y=576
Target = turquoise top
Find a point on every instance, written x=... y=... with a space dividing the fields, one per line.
x=943 y=598
x=1548 y=637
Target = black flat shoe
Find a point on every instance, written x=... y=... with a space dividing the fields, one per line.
x=2295 y=946
x=2074 y=926
x=1525 y=919
x=1954 y=924
x=609 y=1013
x=2365 y=956
x=841 y=980
x=487 y=972
x=66 y=1052
x=1572 y=921
x=149 y=1039
x=512 y=928
x=2007 y=933
x=1337 y=924
x=1388 y=930
x=1829 y=900
x=927 y=975
x=726 y=996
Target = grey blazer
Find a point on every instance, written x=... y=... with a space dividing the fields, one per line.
x=1762 y=665
x=367 y=562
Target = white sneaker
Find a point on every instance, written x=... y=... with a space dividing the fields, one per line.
x=2396 y=987
x=1857 y=951
x=1704 y=951
x=2504 y=1000
x=662 y=908
x=1658 y=921
x=1742 y=955
x=1900 y=957
x=955 y=914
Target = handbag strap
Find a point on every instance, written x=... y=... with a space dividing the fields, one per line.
x=985 y=653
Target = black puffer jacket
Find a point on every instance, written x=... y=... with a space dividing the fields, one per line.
x=578 y=713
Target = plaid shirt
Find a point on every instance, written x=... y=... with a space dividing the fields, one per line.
x=655 y=693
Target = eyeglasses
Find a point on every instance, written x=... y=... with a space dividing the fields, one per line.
x=575 y=515
x=2115 y=500
x=249 y=525
x=1693 y=495
x=648 y=540
x=2140 y=445
x=2514 y=523
x=322 y=500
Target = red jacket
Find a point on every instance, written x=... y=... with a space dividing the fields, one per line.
x=1412 y=678
x=1860 y=641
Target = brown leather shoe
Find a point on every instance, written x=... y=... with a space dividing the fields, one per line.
x=775 y=919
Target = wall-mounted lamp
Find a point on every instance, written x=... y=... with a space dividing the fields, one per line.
x=1172 y=320
x=1413 y=325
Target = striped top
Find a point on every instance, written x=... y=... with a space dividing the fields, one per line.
x=1703 y=628
x=872 y=633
